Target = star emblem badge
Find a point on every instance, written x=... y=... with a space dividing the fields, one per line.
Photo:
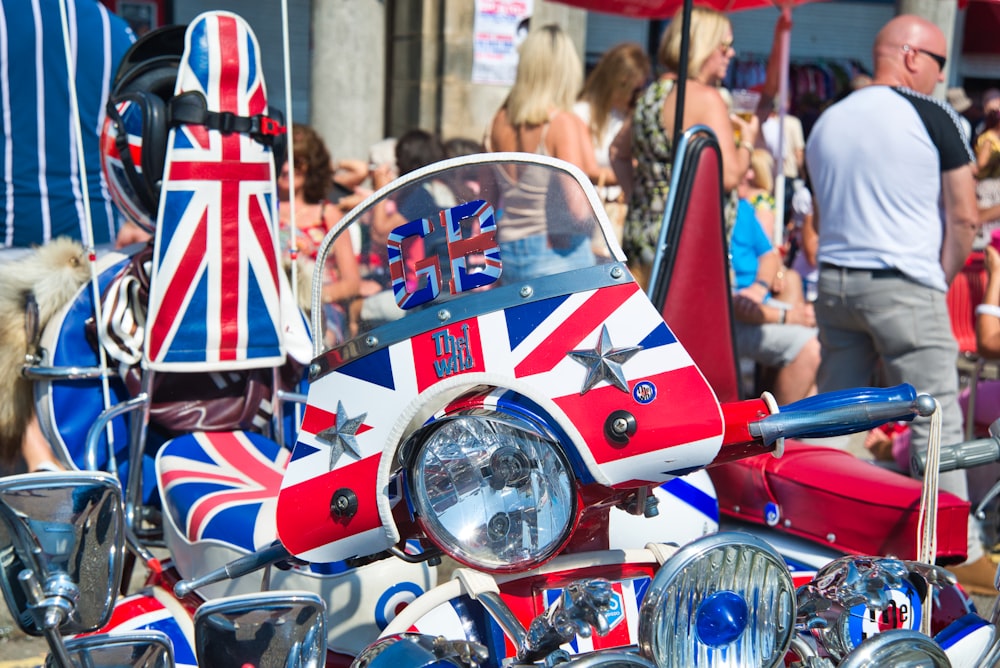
x=604 y=362
x=341 y=436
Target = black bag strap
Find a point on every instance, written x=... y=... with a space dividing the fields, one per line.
x=192 y=109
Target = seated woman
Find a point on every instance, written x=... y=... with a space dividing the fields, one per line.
x=757 y=188
x=314 y=216
x=770 y=332
x=987 y=330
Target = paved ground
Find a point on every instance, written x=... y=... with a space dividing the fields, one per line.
x=19 y=650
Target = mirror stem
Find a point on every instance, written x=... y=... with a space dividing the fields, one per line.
x=53 y=617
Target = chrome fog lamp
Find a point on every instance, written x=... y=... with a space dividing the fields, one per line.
x=723 y=600
x=855 y=597
x=900 y=648
x=491 y=492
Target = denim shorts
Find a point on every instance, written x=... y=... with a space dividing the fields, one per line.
x=538 y=255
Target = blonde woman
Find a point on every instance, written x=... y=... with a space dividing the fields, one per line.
x=608 y=98
x=647 y=139
x=758 y=189
x=537 y=118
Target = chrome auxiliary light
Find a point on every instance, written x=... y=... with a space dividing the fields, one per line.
x=723 y=600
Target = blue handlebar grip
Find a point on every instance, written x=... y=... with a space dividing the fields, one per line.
x=840 y=413
x=905 y=393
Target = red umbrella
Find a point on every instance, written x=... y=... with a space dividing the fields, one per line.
x=663 y=9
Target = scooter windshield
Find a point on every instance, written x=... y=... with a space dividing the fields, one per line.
x=500 y=223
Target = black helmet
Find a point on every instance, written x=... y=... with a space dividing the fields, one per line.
x=134 y=137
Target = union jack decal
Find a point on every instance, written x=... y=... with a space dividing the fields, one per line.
x=155 y=610
x=220 y=485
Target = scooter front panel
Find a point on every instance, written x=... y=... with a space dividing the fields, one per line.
x=353 y=417
x=577 y=337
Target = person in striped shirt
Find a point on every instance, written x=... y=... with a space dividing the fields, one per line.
x=41 y=186
x=41 y=183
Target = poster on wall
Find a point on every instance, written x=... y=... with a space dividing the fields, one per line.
x=498 y=28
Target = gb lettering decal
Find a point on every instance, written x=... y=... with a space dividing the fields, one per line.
x=466 y=275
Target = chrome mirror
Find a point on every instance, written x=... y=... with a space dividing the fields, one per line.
x=138 y=649
x=61 y=545
x=266 y=630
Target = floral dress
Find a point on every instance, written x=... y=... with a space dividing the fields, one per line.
x=653 y=152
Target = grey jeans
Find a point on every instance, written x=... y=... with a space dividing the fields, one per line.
x=869 y=317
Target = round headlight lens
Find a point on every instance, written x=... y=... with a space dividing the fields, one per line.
x=723 y=600
x=491 y=493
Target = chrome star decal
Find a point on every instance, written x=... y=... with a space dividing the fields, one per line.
x=341 y=436
x=604 y=362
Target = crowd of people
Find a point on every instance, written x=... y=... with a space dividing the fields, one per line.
x=855 y=296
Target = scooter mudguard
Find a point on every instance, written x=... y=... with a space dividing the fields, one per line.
x=833 y=498
x=155 y=609
x=219 y=492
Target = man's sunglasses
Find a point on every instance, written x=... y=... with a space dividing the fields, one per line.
x=937 y=57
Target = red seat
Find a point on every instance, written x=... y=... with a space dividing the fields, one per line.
x=966 y=292
x=690 y=283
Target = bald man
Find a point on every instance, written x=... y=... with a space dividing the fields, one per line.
x=895 y=197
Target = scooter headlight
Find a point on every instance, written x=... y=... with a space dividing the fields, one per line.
x=723 y=600
x=491 y=492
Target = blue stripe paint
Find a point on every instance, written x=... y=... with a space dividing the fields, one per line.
x=704 y=503
x=373 y=368
x=660 y=336
x=302 y=450
x=523 y=320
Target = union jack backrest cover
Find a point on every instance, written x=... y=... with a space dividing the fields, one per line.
x=214 y=294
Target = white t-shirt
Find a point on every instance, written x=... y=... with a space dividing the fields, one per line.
x=875 y=159
x=794 y=141
x=602 y=145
